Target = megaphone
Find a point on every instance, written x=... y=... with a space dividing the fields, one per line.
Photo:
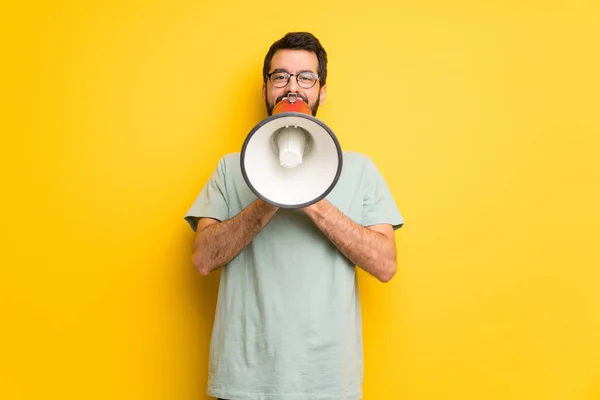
x=291 y=159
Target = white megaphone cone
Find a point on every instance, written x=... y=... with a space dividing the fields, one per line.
x=291 y=159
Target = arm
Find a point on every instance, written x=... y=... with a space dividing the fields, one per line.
x=372 y=248
x=216 y=243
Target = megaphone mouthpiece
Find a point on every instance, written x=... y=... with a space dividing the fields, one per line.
x=292 y=97
x=292 y=103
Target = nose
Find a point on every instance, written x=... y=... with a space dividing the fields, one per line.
x=293 y=84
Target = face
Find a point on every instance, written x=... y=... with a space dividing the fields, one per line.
x=293 y=62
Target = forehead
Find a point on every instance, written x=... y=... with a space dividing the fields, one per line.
x=295 y=60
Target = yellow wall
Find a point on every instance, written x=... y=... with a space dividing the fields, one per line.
x=484 y=118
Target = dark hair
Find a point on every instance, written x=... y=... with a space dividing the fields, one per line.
x=299 y=41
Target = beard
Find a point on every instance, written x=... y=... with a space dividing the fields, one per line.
x=313 y=107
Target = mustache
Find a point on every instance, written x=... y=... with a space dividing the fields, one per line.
x=286 y=94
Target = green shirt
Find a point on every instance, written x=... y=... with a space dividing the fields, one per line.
x=288 y=319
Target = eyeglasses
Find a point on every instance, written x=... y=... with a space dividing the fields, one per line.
x=305 y=80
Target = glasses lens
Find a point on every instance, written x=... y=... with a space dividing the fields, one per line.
x=307 y=80
x=279 y=79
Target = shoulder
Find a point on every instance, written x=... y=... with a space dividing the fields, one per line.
x=229 y=162
x=357 y=160
x=361 y=166
x=355 y=156
x=230 y=158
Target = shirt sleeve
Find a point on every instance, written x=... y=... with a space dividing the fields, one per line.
x=212 y=200
x=379 y=206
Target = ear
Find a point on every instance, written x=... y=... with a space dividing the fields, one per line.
x=264 y=91
x=323 y=91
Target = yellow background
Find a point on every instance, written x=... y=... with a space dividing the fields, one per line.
x=484 y=117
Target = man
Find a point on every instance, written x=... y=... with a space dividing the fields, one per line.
x=288 y=320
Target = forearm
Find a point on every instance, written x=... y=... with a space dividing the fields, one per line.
x=370 y=250
x=217 y=244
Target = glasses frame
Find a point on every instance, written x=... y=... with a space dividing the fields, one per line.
x=289 y=76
